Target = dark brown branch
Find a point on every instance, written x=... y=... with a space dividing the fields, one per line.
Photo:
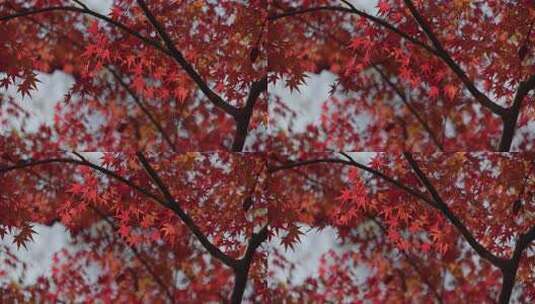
x=241 y=271
x=81 y=4
x=31 y=163
x=511 y=118
x=392 y=85
x=188 y=68
x=435 y=202
x=508 y=267
x=108 y=20
x=84 y=162
x=444 y=209
x=172 y=204
x=353 y=163
x=296 y=11
x=353 y=10
x=172 y=51
x=438 y=50
x=443 y=54
x=240 y=266
x=137 y=100
x=244 y=118
x=423 y=277
x=511 y=268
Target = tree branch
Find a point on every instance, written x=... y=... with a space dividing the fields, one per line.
x=356 y=164
x=511 y=118
x=438 y=50
x=137 y=100
x=241 y=271
x=240 y=266
x=444 y=209
x=172 y=204
x=190 y=70
x=372 y=218
x=171 y=51
x=375 y=66
x=508 y=267
x=108 y=20
x=84 y=162
x=443 y=54
x=244 y=118
x=435 y=202
x=510 y=270
x=31 y=163
x=353 y=10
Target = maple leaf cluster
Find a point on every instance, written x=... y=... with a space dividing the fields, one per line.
x=180 y=173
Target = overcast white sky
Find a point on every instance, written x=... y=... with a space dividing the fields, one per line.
x=307 y=103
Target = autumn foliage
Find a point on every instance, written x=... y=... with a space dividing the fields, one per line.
x=181 y=174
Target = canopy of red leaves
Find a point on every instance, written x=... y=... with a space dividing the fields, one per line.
x=181 y=180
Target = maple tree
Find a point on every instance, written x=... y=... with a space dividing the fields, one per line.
x=168 y=94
